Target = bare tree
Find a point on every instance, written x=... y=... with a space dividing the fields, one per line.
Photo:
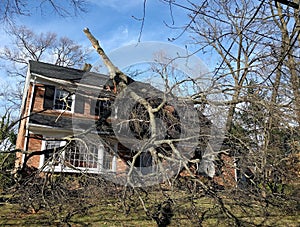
x=7 y=144
x=255 y=50
x=9 y=10
x=26 y=45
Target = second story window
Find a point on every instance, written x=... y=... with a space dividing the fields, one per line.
x=100 y=107
x=104 y=106
x=58 y=99
x=62 y=100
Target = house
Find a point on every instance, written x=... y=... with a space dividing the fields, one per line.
x=60 y=102
x=51 y=111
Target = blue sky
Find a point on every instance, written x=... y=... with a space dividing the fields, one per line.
x=112 y=22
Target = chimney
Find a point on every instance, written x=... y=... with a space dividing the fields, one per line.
x=87 y=67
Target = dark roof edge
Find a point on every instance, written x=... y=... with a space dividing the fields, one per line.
x=55 y=66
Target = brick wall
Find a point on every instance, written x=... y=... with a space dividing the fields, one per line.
x=227 y=177
x=38 y=98
x=121 y=166
x=34 y=144
x=22 y=130
x=39 y=103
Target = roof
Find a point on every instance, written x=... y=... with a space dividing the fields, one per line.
x=64 y=73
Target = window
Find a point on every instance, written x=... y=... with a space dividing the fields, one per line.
x=100 y=107
x=107 y=160
x=51 y=145
x=89 y=157
x=104 y=106
x=54 y=156
x=78 y=157
x=145 y=163
x=62 y=100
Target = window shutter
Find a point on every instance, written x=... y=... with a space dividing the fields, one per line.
x=49 y=97
x=79 y=104
x=94 y=107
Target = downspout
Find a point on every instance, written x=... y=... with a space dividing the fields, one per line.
x=26 y=141
x=235 y=172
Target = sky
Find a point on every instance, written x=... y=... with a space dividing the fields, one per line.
x=114 y=22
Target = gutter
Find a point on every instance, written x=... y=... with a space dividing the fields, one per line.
x=25 y=92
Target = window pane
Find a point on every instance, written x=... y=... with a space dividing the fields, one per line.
x=107 y=160
x=79 y=155
x=103 y=107
x=93 y=157
x=62 y=100
x=52 y=156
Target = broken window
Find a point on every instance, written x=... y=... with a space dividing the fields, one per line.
x=62 y=100
x=57 y=99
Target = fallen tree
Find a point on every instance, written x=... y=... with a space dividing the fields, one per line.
x=166 y=128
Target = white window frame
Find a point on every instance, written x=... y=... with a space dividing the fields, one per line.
x=72 y=98
x=101 y=154
x=61 y=167
x=42 y=158
x=78 y=168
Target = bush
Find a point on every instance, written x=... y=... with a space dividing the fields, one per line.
x=7 y=162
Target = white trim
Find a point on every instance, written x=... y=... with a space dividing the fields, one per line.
x=30 y=106
x=235 y=170
x=114 y=160
x=25 y=90
x=33 y=126
x=73 y=85
x=114 y=164
x=101 y=151
x=40 y=129
x=54 y=81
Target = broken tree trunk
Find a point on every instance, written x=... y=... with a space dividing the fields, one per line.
x=120 y=79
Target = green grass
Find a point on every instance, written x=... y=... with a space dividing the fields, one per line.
x=110 y=213
x=101 y=215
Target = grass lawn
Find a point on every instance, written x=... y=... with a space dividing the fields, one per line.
x=108 y=215
x=111 y=213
